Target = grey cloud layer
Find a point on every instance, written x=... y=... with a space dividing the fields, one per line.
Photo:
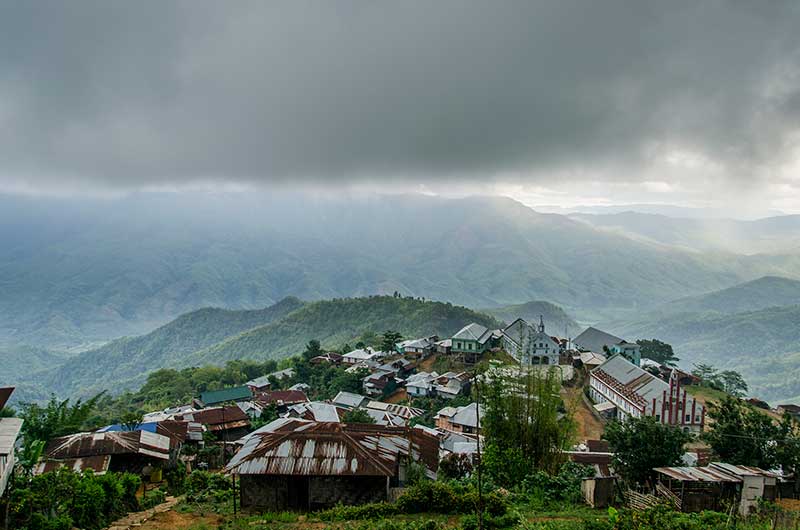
x=132 y=93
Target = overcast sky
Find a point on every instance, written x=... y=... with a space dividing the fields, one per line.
x=559 y=102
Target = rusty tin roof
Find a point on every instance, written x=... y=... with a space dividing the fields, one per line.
x=89 y=444
x=302 y=447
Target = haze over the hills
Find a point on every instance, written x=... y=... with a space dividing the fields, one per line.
x=76 y=271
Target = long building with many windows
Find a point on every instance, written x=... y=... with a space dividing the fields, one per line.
x=622 y=390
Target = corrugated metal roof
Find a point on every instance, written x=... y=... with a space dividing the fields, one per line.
x=742 y=471
x=98 y=464
x=218 y=419
x=9 y=430
x=282 y=397
x=697 y=474
x=301 y=447
x=638 y=385
x=317 y=411
x=349 y=399
x=593 y=339
x=87 y=444
x=472 y=331
x=467 y=415
x=238 y=393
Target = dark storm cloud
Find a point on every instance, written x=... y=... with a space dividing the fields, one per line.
x=134 y=93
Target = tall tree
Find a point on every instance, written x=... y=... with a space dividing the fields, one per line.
x=390 y=338
x=57 y=418
x=640 y=444
x=313 y=349
x=525 y=419
x=658 y=351
x=740 y=435
x=706 y=372
x=733 y=383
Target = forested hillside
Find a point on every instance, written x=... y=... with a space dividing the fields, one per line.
x=170 y=345
x=286 y=328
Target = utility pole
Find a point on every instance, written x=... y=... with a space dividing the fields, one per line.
x=478 y=450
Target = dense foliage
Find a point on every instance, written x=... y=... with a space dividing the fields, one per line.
x=56 y=418
x=741 y=435
x=640 y=444
x=60 y=500
x=525 y=424
x=658 y=351
x=728 y=381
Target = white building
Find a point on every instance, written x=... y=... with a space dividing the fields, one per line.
x=530 y=345
x=623 y=390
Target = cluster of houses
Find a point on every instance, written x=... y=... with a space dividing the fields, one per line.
x=312 y=456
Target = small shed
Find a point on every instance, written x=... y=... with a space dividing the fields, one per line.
x=694 y=489
x=305 y=465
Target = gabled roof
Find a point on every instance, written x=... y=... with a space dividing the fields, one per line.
x=466 y=415
x=306 y=448
x=282 y=397
x=317 y=411
x=237 y=393
x=361 y=354
x=349 y=399
x=87 y=444
x=472 y=331
x=258 y=382
x=9 y=430
x=403 y=411
x=593 y=339
x=520 y=330
x=417 y=343
x=627 y=379
x=218 y=418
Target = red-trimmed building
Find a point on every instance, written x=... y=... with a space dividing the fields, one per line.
x=621 y=390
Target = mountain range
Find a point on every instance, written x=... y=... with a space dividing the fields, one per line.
x=78 y=272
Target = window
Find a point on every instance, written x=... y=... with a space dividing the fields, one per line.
x=458 y=345
x=470 y=345
x=688 y=418
x=658 y=417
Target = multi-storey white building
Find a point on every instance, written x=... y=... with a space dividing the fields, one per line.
x=530 y=345
x=635 y=392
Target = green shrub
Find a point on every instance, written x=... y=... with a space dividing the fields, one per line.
x=428 y=496
x=64 y=499
x=377 y=510
x=201 y=486
x=154 y=498
x=507 y=520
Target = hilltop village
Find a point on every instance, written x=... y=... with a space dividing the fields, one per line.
x=414 y=410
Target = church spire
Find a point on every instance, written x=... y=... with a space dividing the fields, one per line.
x=541 y=324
